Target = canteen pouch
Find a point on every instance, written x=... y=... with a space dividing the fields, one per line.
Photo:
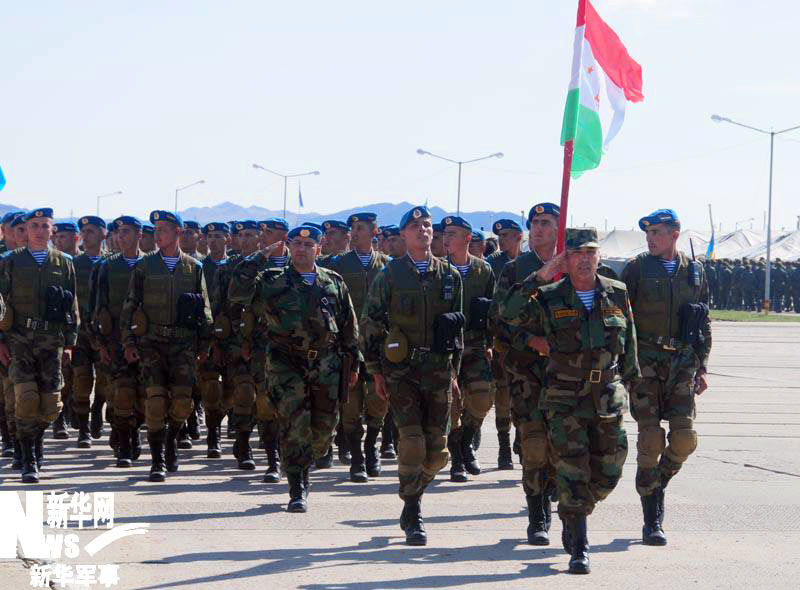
x=446 y=331
x=189 y=310
x=395 y=348
x=222 y=327
x=104 y=322
x=691 y=319
x=58 y=305
x=247 y=323
x=479 y=313
x=139 y=323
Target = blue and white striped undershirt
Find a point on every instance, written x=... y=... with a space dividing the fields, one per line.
x=309 y=277
x=462 y=268
x=587 y=298
x=364 y=258
x=278 y=261
x=669 y=265
x=132 y=261
x=170 y=261
x=94 y=259
x=39 y=256
x=422 y=266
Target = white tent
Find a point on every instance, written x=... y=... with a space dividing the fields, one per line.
x=733 y=244
x=786 y=248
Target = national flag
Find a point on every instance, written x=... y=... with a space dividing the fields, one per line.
x=300 y=195
x=2 y=180
x=710 y=250
x=599 y=56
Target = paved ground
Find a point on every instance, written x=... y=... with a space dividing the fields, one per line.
x=733 y=513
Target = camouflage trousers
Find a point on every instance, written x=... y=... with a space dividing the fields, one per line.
x=168 y=373
x=502 y=396
x=128 y=397
x=10 y=406
x=537 y=455
x=306 y=395
x=664 y=392
x=363 y=406
x=215 y=390
x=475 y=384
x=88 y=374
x=420 y=395
x=36 y=375
x=589 y=452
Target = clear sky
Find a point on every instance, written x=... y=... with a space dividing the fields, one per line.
x=147 y=96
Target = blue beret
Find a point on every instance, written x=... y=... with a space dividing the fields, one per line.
x=418 y=212
x=160 y=215
x=41 y=212
x=335 y=224
x=191 y=225
x=19 y=220
x=502 y=224
x=11 y=215
x=66 y=226
x=91 y=220
x=542 y=209
x=363 y=216
x=312 y=224
x=243 y=225
x=147 y=228
x=306 y=231
x=277 y=223
x=478 y=236
x=438 y=227
x=658 y=216
x=455 y=221
x=126 y=220
x=390 y=230
x=216 y=226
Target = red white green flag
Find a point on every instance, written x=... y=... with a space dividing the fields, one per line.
x=599 y=60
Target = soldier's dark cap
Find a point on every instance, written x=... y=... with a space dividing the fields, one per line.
x=240 y=226
x=418 y=212
x=160 y=215
x=148 y=228
x=19 y=220
x=390 y=230
x=277 y=223
x=41 y=212
x=306 y=231
x=581 y=237
x=11 y=215
x=311 y=224
x=478 y=236
x=502 y=224
x=216 y=226
x=191 y=225
x=658 y=216
x=455 y=221
x=335 y=224
x=126 y=220
x=542 y=209
x=66 y=226
x=92 y=220
x=367 y=216
x=438 y=228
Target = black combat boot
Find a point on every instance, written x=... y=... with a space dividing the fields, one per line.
x=467 y=452
x=504 y=459
x=183 y=438
x=457 y=472
x=230 y=431
x=517 y=446
x=342 y=443
x=244 y=453
x=96 y=427
x=358 y=469
x=136 y=444
x=273 y=473
x=652 y=533
x=214 y=449
x=566 y=536
x=538 y=521
x=371 y=457
x=17 y=461
x=60 y=427
x=124 y=450
x=30 y=469
x=298 y=493
x=326 y=461
x=8 y=440
x=193 y=424
x=476 y=440
x=113 y=439
x=158 y=467
x=388 y=437
x=38 y=448
x=84 y=435
x=171 y=447
x=411 y=521
x=579 y=559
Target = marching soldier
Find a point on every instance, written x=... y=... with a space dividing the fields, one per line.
x=147 y=243
x=477 y=245
x=337 y=237
x=394 y=243
x=473 y=399
x=583 y=325
x=669 y=294
x=412 y=330
x=358 y=268
x=437 y=244
x=37 y=284
x=190 y=237
x=7 y=421
x=312 y=355
x=166 y=325
x=109 y=290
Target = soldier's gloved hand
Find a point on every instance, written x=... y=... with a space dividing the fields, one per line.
x=132 y=354
x=380 y=386
x=5 y=354
x=551 y=268
x=540 y=345
x=700 y=381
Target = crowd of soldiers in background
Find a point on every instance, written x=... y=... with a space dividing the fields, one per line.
x=739 y=284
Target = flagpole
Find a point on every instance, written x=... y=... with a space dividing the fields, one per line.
x=565 y=177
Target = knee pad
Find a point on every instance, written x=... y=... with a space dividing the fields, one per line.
x=102 y=385
x=479 y=400
x=436 y=457
x=155 y=408
x=181 y=403
x=534 y=447
x=245 y=397
x=265 y=409
x=82 y=383
x=411 y=446
x=124 y=400
x=26 y=400
x=375 y=404
x=682 y=439
x=50 y=406
x=649 y=445
x=211 y=392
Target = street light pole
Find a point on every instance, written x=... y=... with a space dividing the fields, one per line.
x=97 y=212
x=177 y=190
x=772 y=134
x=460 y=163
x=286 y=178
